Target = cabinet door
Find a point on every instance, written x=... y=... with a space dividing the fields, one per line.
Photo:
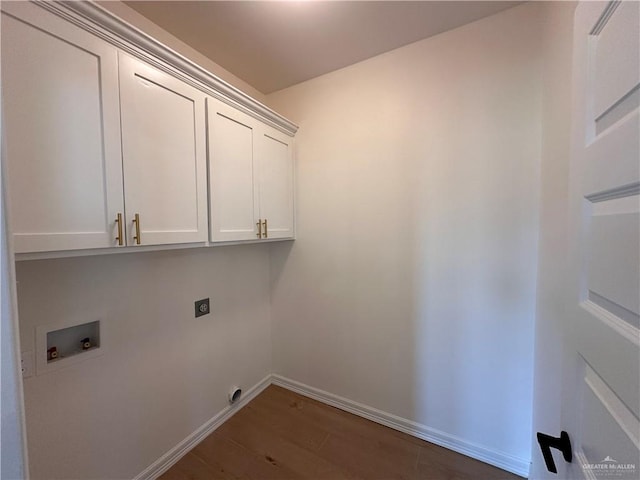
x=163 y=149
x=233 y=205
x=275 y=170
x=62 y=132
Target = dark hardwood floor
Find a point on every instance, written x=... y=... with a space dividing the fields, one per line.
x=283 y=435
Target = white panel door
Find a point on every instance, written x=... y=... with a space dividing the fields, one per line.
x=601 y=404
x=62 y=132
x=233 y=207
x=275 y=173
x=164 y=162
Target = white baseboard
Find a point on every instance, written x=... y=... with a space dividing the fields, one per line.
x=165 y=462
x=510 y=463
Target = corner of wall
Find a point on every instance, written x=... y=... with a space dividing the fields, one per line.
x=557 y=41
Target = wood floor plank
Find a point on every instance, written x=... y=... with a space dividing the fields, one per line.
x=235 y=461
x=285 y=424
x=191 y=467
x=281 y=435
x=263 y=441
x=439 y=463
x=371 y=458
x=332 y=419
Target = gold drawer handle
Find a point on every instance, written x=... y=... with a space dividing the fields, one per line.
x=266 y=232
x=259 y=225
x=119 y=238
x=136 y=222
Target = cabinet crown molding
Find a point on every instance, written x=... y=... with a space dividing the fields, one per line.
x=99 y=21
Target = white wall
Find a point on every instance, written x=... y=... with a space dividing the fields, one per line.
x=165 y=373
x=553 y=247
x=412 y=284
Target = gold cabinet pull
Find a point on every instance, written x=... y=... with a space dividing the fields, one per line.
x=266 y=235
x=259 y=225
x=136 y=221
x=119 y=238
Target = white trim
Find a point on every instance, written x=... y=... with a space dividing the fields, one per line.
x=621 y=327
x=622 y=191
x=104 y=24
x=505 y=461
x=604 y=18
x=9 y=300
x=87 y=252
x=581 y=460
x=624 y=417
x=170 y=458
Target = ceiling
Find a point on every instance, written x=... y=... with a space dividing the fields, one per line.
x=275 y=44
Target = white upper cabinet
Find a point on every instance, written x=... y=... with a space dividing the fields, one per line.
x=250 y=177
x=234 y=207
x=61 y=121
x=106 y=133
x=275 y=172
x=164 y=157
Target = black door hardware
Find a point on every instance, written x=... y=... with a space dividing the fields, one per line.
x=548 y=442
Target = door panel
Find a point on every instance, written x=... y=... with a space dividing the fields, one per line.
x=163 y=144
x=616 y=63
x=234 y=201
x=599 y=177
x=601 y=414
x=613 y=269
x=606 y=422
x=62 y=126
x=276 y=183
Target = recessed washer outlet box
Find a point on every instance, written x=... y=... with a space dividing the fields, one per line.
x=67 y=343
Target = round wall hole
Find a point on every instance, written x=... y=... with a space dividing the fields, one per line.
x=234 y=394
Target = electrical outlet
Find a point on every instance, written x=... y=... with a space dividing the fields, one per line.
x=28 y=361
x=202 y=307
